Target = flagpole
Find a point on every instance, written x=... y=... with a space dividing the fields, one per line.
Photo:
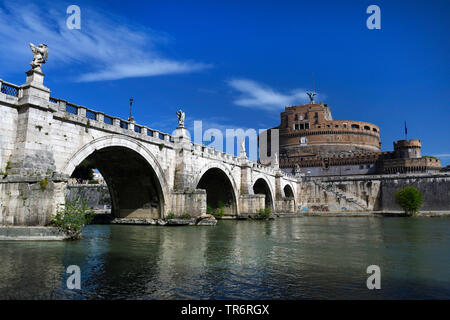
x=406 y=132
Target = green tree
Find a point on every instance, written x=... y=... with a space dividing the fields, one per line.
x=410 y=199
x=73 y=217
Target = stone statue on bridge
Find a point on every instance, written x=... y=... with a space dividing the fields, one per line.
x=40 y=54
x=243 y=145
x=181 y=116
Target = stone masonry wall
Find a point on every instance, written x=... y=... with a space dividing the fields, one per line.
x=8 y=134
x=29 y=202
x=95 y=196
x=435 y=190
x=373 y=193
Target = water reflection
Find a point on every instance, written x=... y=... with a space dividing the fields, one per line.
x=291 y=258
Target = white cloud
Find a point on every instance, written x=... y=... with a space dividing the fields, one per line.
x=106 y=47
x=256 y=95
x=442 y=155
x=142 y=69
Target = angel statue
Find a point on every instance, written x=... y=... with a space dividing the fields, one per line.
x=243 y=145
x=311 y=96
x=40 y=54
x=181 y=116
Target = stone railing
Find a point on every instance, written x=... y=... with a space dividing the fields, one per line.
x=9 y=88
x=229 y=158
x=100 y=117
x=214 y=154
x=81 y=113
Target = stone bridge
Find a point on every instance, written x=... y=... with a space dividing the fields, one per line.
x=150 y=174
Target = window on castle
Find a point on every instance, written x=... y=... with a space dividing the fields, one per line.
x=302 y=126
x=345 y=125
x=316 y=115
x=374 y=130
x=366 y=128
x=306 y=116
x=307 y=126
x=355 y=126
x=296 y=117
x=296 y=126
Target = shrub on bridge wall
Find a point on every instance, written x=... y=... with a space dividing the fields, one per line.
x=410 y=199
x=43 y=183
x=185 y=216
x=170 y=216
x=264 y=213
x=73 y=217
x=219 y=212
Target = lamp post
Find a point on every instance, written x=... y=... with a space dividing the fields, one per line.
x=131 y=104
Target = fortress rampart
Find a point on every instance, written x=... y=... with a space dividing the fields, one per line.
x=373 y=192
x=311 y=130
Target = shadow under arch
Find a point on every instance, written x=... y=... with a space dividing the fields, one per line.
x=288 y=192
x=135 y=180
x=261 y=186
x=220 y=188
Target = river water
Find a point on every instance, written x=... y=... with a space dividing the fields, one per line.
x=288 y=258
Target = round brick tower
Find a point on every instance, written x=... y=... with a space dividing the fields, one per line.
x=309 y=130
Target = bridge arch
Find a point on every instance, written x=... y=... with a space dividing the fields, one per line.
x=134 y=177
x=262 y=186
x=220 y=186
x=288 y=191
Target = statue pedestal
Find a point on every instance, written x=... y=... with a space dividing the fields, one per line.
x=181 y=135
x=35 y=77
x=33 y=92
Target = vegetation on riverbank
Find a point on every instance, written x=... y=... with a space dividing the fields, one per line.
x=219 y=212
x=73 y=217
x=410 y=199
x=264 y=214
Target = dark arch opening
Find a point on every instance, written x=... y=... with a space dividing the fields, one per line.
x=261 y=187
x=288 y=193
x=219 y=191
x=133 y=186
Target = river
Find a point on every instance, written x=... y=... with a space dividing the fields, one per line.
x=287 y=258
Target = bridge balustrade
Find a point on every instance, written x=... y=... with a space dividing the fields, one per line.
x=123 y=124
x=70 y=108
x=91 y=115
x=9 y=89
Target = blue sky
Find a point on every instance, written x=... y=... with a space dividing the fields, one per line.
x=236 y=64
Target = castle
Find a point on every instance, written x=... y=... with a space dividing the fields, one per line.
x=312 y=143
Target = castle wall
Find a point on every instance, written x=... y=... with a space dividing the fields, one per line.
x=373 y=192
x=311 y=129
x=336 y=170
x=435 y=190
